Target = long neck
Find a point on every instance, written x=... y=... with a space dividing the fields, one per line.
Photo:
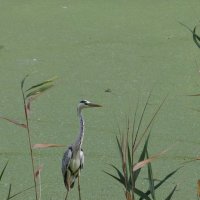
x=79 y=139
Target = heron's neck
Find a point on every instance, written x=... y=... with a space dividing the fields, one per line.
x=79 y=139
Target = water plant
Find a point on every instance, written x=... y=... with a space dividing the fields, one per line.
x=130 y=141
x=28 y=96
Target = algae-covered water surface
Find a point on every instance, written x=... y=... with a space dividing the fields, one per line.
x=112 y=53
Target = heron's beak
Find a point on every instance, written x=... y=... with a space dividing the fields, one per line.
x=94 y=105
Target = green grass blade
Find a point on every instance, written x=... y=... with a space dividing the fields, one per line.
x=9 y=192
x=116 y=178
x=39 y=90
x=151 y=179
x=150 y=122
x=119 y=147
x=142 y=156
x=166 y=178
x=171 y=193
x=42 y=83
x=195 y=37
x=23 y=81
x=141 y=194
x=2 y=172
x=18 y=193
x=121 y=176
x=130 y=165
x=139 y=125
x=163 y=180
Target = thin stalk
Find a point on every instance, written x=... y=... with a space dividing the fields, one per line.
x=132 y=152
x=29 y=141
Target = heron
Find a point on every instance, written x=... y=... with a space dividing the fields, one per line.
x=73 y=158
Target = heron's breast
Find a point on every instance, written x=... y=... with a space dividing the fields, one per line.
x=75 y=163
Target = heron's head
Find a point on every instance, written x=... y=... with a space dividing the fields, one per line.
x=87 y=104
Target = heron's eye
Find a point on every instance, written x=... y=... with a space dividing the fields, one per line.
x=84 y=102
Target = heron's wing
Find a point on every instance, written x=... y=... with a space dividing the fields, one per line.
x=66 y=160
x=81 y=159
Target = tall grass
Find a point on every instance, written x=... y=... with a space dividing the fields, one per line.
x=128 y=144
x=28 y=95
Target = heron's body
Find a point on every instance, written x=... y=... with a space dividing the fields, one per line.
x=73 y=158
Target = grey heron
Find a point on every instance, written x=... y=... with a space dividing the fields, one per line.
x=73 y=158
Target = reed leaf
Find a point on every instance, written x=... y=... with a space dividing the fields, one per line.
x=3 y=170
x=23 y=81
x=14 y=122
x=196 y=38
x=42 y=83
x=141 y=194
x=150 y=178
x=39 y=90
x=141 y=158
x=9 y=192
x=121 y=176
x=171 y=193
x=45 y=145
x=18 y=193
x=115 y=177
x=163 y=180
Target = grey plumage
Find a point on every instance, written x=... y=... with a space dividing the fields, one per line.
x=69 y=173
x=73 y=158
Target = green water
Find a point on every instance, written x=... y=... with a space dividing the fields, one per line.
x=127 y=46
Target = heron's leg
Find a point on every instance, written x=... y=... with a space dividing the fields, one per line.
x=66 y=195
x=79 y=188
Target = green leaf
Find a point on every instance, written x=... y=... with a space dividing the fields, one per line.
x=141 y=194
x=116 y=178
x=42 y=83
x=121 y=176
x=151 y=121
x=9 y=192
x=119 y=147
x=23 y=80
x=171 y=193
x=166 y=178
x=39 y=90
x=195 y=37
x=163 y=180
x=142 y=156
x=150 y=177
x=2 y=172
x=130 y=165
x=18 y=193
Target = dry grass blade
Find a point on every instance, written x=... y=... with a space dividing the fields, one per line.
x=128 y=195
x=14 y=122
x=42 y=146
x=143 y=163
x=193 y=95
x=198 y=188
